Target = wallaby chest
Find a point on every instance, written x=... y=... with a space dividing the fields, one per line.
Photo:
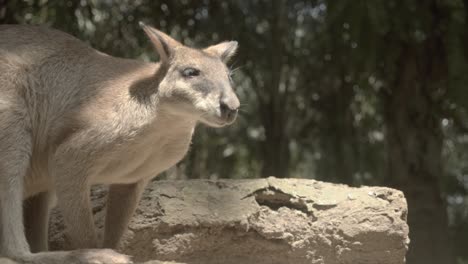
x=145 y=155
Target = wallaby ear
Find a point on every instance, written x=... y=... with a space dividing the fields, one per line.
x=164 y=44
x=224 y=50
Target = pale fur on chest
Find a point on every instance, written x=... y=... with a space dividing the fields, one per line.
x=145 y=156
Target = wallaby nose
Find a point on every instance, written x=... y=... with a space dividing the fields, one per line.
x=229 y=109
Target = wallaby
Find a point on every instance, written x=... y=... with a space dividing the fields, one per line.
x=71 y=117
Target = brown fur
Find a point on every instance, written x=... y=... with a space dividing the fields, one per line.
x=71 y=117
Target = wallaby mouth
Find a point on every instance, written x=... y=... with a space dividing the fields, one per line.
x=228 y=113
x=219 y=121
x=225 y=116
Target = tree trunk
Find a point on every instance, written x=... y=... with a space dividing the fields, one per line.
x=6 y=13
x=276 y=155
x=338 y=154
x=275 y=148
x=414 y=145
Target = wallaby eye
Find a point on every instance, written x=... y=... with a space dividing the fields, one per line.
x=190 y=72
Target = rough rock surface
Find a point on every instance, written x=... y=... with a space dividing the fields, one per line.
x=262 y=221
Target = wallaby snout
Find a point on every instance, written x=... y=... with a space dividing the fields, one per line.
x=229 y=106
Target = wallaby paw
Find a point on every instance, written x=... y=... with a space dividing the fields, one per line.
x=101 y=256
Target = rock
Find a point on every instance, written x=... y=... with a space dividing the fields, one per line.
x=160 y=262
x=261 y=221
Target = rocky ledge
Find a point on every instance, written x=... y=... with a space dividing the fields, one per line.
x=261 y=221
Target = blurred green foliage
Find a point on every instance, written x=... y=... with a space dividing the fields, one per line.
x=320 y=83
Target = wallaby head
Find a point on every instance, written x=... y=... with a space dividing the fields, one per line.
x=196 y=83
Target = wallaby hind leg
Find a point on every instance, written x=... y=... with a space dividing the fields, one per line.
x=36 y=220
